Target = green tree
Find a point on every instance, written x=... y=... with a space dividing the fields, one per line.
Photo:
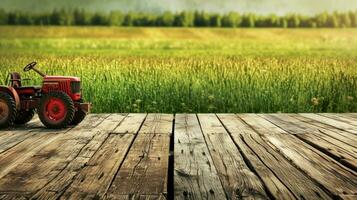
x=248 y=20
x=116 y=18
x=3 y=17
x=273 y=21
x=184 y=19
x=99 y=19
x=128 y=19
x=293 y=21
x=55 y=18
x=322 y=20
x=66 y=18
x=353 y=17
x=167 y=19
x=335 y=20
x=25 y=19
x=232 y=19
x=215 y=20
x=13 y=18
x=345 y=20
x=81 y=17
x=284 y=23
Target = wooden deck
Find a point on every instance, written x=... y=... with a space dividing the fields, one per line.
x=186 y=156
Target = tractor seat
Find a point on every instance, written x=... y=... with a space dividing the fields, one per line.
x=15 y=79
x=16 y=82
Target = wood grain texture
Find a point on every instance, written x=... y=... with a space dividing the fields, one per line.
x=332 y=122
x=64 y=178
x=145 y=169
x=237 y=179
x=340 y=151
x=283 y=180
x=341 y=117
x=95 y=178
x=10 y=138
x=205 y=156
x=195 y=176
x=131 y=124
x=338 y=179
x=346 y=137
x=50 y=160
x=137 y=197
x=29 y=147
x=157 y=124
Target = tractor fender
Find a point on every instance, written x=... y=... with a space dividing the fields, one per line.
x=12 y=92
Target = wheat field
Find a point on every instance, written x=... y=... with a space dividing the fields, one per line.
x=193 y=69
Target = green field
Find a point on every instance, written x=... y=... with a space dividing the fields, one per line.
x=194 y=70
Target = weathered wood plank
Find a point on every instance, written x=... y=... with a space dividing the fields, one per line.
x=343 y=136
x=350 y=115
x=331 y=122
x=131 y=124
x=195 y=176
x=137 y=197
x=340 y=151
x=341 y=117
x=282 y=179
x=95 y=178
x=236 y=177
x=12 y=196
x=157 y=124
x=13 y=136
x=47 y=163
x=145 y=169
x=80 y=164
x=29 y=147
x=338 y=179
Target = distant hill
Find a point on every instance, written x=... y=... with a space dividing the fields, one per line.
x=221 y=6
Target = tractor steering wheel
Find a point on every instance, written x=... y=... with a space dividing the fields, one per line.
x=30 y=66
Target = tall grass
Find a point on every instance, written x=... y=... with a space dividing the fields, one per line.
x=129 y=79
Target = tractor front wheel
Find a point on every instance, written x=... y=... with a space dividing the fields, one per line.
x=7 y=110
x=56 y=110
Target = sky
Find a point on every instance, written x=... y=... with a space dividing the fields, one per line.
x=280 y=7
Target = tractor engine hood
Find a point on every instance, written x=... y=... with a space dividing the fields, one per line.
x=61 y=78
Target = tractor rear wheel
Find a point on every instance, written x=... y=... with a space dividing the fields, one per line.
x=24 y=116
x=7 y=110
x=78 y=117
x=56 y=110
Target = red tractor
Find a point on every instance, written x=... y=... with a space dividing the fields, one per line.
x=58 y=102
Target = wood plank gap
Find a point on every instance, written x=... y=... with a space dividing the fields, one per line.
x=248 y=162
x=236 y=177
x=195 y=174
x=145 y=168
x=101 y=169
x=170 y=172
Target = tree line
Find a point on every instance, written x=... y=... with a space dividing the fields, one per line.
x=179 y=19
